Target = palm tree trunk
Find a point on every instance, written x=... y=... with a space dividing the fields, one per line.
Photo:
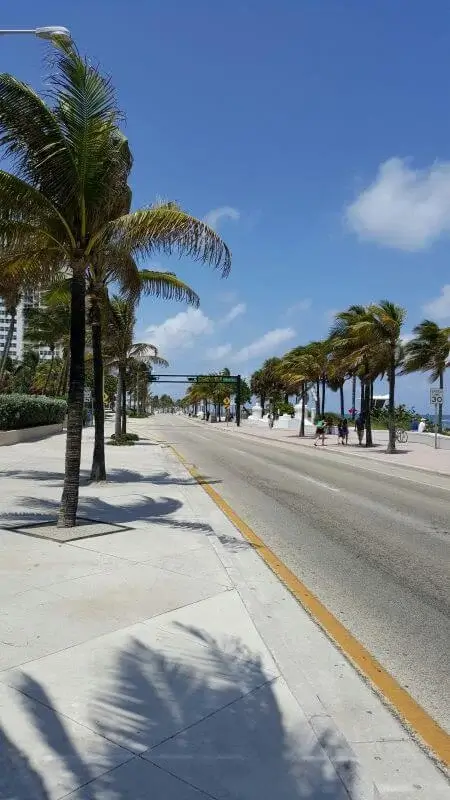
x=9 y=338
x=317 y=398
x=341 y=396
x=302 y=419
x=391 y=407
x=98 y=469
x=324 y=386
x=118 y=409
x=367 y=414
x=441 y=386
x=50 y=371
x=353 y=396
x=362 y=396
x=69 y=501
x=62 y=385
x=262 y=400
x=123 y=429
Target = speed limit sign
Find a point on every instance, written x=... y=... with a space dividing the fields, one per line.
x=436 y=397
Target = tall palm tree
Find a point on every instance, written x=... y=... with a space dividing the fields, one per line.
x=319 y=351
x=57 y=210
x=372 y=338
x=134 y=283
x=428 y=351
x=121 y=351
x=383 y=329
x=346 y=349
x=298 y=369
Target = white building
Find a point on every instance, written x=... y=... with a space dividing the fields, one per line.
x=16 y=350
x=30 y=299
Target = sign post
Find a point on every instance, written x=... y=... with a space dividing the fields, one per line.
x=436 y=400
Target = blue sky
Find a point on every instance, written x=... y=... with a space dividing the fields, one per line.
x=313 y=134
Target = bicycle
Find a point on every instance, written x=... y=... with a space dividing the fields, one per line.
x=401 y=436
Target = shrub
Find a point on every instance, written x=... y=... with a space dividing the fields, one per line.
x=137 y=414
x=331 y=417
x=132 y=437
x=29 y=411
x=285 y=408
x=121 y=441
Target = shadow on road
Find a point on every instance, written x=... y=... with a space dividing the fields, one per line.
x=214 y=726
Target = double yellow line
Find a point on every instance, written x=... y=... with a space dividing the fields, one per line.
x=419 y=722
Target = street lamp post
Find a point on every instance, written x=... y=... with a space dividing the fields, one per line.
x=49 y=32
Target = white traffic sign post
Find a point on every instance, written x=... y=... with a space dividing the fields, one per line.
x=436 y=400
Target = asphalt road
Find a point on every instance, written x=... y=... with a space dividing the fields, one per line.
x=374 y=546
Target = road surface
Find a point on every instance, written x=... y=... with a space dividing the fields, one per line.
x=373 y=544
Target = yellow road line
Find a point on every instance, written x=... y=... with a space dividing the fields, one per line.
x=410 y=712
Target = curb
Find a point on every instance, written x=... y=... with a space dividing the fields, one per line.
x=417 y=721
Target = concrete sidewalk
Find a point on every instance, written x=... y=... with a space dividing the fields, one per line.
x=412 y=454
x=164 y=660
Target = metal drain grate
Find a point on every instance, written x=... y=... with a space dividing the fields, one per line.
x=85 y=529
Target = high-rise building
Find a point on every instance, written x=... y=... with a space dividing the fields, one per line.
x=16 y=349
x=31 y=299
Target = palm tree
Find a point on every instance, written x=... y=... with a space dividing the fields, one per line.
x=429 y=351
x=319 y=351
x=297 y=369
x=383 y=331
x=134 y=284
x=121 y=351
x=58 y=210
x=345 y=348
x=49 y=326
x=372 y=339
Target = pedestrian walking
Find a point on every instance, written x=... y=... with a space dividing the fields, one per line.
x=343 y=431
x=359 y=427
x=320 y=431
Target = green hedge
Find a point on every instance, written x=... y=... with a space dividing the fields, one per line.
x=29 y=411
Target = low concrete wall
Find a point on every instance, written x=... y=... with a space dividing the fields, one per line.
x=415 y=436
x=29 y=434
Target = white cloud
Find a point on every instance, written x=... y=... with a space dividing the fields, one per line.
x=213 y=217
x=302 y=305
x=406 y=337
x=265 y=345
x=179 y=332
x=403 y=208
x=219 y=352
x=440 y=307
x=234 y=312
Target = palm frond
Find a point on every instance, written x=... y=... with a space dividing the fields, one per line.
x=141 y=350
x=167 y=286
x=86 y=110
x=166 y=228
x=31 y=135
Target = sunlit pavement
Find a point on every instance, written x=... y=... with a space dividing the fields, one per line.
x=165 y=659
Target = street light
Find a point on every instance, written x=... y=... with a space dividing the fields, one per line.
x=49 y=32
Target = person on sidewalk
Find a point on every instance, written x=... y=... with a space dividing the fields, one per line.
x=343 y=431
x=359 y=427
x=320 y=431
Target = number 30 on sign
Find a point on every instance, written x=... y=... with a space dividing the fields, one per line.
x=436 y=397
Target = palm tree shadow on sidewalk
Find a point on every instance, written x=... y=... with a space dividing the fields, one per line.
x=214 y=725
